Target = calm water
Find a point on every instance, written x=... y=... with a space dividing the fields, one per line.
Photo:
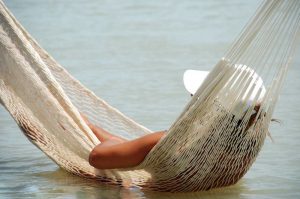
x=133 y=54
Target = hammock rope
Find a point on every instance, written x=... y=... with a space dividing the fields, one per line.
x=212 y=143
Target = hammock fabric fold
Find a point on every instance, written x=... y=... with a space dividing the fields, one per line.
x=209 y=145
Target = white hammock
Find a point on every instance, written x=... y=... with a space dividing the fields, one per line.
x=207 y=146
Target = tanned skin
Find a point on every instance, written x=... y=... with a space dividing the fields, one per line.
x=116 y=152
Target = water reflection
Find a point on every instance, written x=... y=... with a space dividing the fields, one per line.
x=69 y=185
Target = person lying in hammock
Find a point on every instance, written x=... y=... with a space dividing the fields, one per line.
x=116 y=152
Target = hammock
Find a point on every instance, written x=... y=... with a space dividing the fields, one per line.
x=209 y=145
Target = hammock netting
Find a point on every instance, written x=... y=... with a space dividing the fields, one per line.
x=212 y=143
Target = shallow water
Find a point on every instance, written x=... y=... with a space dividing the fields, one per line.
x=133 y=54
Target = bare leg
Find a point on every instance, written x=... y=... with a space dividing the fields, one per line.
x=115 y=152
x=124 y=154
x=102 y=134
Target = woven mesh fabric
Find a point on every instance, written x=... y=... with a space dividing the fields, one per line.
x=213 y=142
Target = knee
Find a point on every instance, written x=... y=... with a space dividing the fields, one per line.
x=100 y=157
x=93 y=156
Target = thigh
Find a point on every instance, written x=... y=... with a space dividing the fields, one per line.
x=125 y=154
